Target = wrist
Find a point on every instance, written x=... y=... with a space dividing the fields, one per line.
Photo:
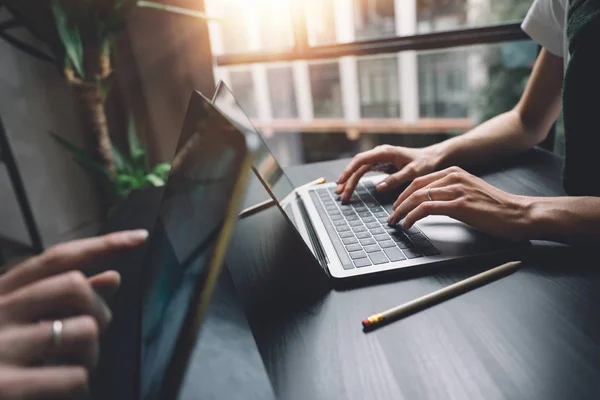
x=536 y=217
x=435 y=154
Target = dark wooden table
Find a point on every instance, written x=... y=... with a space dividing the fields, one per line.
x=532 y=335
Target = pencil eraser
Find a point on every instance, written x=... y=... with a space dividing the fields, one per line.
x=366 y=323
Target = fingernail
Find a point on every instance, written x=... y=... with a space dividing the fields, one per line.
x=338 y=189
x=382 y=186
x=138 y=235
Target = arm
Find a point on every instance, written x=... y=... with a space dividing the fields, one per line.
x=516 y=130
x=571 y=220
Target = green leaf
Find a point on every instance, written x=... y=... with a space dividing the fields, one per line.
x=162 y=170
x=69 y=36
x=136 y=150
x=121 y=163
x=155 y=180
x=81 y=157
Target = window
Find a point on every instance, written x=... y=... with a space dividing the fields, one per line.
x=374 y=18
x=233 y=26
x=275 y=24
x=378 y=87
x=320 y=21
x=242 y=86
x=443 y=87
x=282 y=93
x=326 y=90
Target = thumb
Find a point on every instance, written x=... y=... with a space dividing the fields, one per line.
x=406 y=174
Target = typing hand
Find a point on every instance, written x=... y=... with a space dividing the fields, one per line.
x=410 y=164
x=456 y=193
x=49 y=310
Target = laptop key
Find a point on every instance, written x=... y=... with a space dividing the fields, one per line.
x=364 y=214
x=381 y=237
x=355 y=223
x=372 y=225
x=339 y=222
x=381 y=215
x=371 y=248
x=383 y=220
x=363 y=235
x=362 y=262
x=339 y=249
x=354 y=247
x=394 y=254
x=413 y=230
x=417 y=237
x=367 y=241
x=421 y=244
x=350 y=240
x=378 y=257
x=376 y=209
x=342 y=228
x=412 y=253
x=336 y=217
x=430 y=251
x=377 y=231
x=405 y=245
x=352 y=218
x=387 y=244
x=358 y=229
x=345 y=235
x=357 y=254
x=348 y=213
x=369 y=219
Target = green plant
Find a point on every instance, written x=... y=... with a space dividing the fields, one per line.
x=132 y=169
x=78 y=36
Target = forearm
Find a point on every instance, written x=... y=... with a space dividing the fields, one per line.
x=571 y=220
x=500 y=136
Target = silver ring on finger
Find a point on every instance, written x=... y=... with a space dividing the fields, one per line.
x=429 y=194
x=57 y=330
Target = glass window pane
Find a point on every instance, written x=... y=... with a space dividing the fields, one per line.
x=242 y=86
x=374 y=19
x=234 y=24
x=326 y=90
x=320 y=21
x=282 y=93
x=443 y=15
x=378 y=87
x=275 y=24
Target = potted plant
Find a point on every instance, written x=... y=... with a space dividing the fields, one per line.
x=78 y=37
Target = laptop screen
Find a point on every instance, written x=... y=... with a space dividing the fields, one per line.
x=187 y=244
x=264 y=160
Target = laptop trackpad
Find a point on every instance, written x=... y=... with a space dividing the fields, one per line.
x=454 y=237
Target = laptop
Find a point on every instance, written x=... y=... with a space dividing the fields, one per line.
x=187 y=246
x=354 y=240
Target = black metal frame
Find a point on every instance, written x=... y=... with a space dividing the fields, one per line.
x=7 y=158
x=429 y=41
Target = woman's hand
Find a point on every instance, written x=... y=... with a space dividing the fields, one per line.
x=410 y=164
x=50 y=288
x=462 y=196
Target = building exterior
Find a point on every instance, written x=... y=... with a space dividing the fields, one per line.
x=403 y=93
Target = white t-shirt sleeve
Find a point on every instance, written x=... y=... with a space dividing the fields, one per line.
x=544 y=23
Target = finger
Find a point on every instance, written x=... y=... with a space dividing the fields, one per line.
x=33 y=343
x=438 y=192
x=44 y=382
x=59 y=296
x=380 y=154
x=423 y=181
x=353 y=181
x=76 y=254
x=106 y=283
x=429 y=208
x=406 y=174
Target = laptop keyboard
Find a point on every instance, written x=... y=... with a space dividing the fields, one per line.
x=360 y=233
